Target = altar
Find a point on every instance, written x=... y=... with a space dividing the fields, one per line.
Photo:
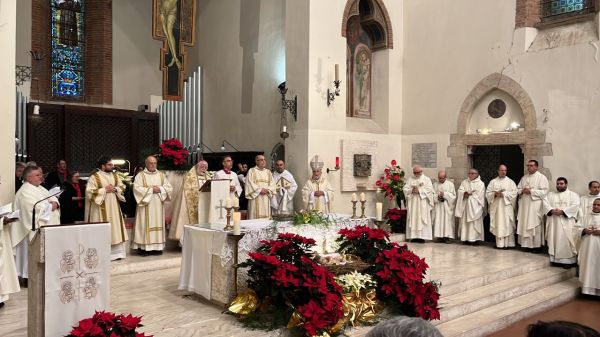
x=207 y=262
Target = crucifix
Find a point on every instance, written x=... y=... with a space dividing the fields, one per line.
x=220 y=208
x=174 y=23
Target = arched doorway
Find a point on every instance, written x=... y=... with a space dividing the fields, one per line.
x=531 y=140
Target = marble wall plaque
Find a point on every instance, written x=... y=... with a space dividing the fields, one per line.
x=350 y=148
x=424 y=155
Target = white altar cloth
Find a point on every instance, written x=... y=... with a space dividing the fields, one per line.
x=207 y=255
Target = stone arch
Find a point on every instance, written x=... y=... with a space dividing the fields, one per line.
x=380 y=18
x=531 y=140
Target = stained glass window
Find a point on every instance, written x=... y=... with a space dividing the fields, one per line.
x=566 y=7
x=68 y=48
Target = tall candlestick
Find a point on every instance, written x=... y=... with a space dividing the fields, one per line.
x=337 y=72
x=378 y=211
x=363 y=197
x=353 y=196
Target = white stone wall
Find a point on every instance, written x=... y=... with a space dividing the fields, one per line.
x=8 y=23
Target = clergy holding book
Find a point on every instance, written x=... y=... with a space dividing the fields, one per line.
x=418 y=190
x=104 y=191
x=285 y=184
x=561 y=208
x=470 y=208
x=501 y=195
x=47 y=213
x=443 y=208
x=260 y=187
x=151 y=189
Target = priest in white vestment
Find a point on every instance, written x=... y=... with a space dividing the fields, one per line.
x=561 y=208
x=185 y=208
x=419 y=194
x=317 y=193
x=151 y=189
x=589 y=252
x=9 y=281
x=46 y=213
x=104 y=191
x=585 y=203
x=235 y=189
x=260 y=187
x=470 y=208
x=285 y=186
x=443 y=208
x=533 y=189
x=501 y=195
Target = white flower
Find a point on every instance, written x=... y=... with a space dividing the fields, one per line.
x=355 y=281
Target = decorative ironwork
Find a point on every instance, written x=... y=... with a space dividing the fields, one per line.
x=68 y=48
x=290 y=105
x=23 y=73
x=555 y=9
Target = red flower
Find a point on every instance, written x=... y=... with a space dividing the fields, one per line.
x=129 y=322
x=87 y=328
x=393 y=162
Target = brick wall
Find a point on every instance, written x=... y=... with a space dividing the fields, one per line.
x=527 y=13
x=98 y=57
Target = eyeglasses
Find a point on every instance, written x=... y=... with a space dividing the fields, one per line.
x=415 y=172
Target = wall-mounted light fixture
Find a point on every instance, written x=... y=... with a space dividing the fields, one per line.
x=228 y=143
x=120 y=162
x=290 y=105
x=331 y=94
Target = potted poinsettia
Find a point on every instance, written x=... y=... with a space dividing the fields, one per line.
x=391 y=182
x=108 y=324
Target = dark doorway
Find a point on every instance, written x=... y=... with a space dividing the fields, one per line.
x=487 y=158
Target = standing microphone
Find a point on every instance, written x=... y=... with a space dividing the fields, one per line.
x=46 y=198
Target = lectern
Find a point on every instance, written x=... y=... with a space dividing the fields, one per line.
x=69 y=276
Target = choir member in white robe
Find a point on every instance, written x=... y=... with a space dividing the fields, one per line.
x=283 y=200
x=9 y=281
x=104 y=191
x=317 y=193
x=501 y=195
x=589 y=252
x=561 y=208
x=235 y=189
x=470 y=208
x=418 y=191
x=585 y=203
x=151 y=189
x=260 y=187
x=443 y=208
x=46 y=213
x=186 y=207
x=533 y=189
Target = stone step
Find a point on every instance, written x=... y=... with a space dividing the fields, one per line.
x=460 y=304
x=501 y=315
x=489 y=278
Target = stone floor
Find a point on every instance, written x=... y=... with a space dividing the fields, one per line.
x=147 y=286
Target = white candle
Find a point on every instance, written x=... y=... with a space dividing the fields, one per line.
x=236 y=202
x=228 y=203
x=363 y=197
x=284 y=129
x=353 y=196
x=379 y=211
x=337 y=72
x=237 y=219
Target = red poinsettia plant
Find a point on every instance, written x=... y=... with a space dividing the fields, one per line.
x=108 y=324
x=394 y=215
x=287 y=282
x=172 y=155
x=391 y=181
x=400 y=274
x=363 y=241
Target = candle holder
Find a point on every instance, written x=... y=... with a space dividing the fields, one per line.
x=237 y=239
x=228 y=227
x=362 y=208
x=354 y=209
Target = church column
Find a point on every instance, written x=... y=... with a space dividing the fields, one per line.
x=8 y=27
